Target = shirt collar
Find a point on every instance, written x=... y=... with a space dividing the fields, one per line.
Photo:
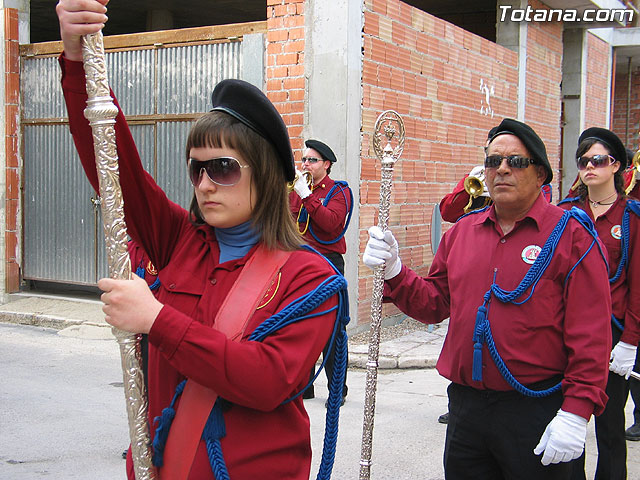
x=536 y=213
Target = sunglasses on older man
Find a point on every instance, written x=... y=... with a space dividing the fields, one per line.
x=597 y=161
x=223 y=171
x=514 y=161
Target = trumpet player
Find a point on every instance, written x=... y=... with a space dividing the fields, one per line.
x=322 y=210
x=528 y=370
x=471 y=194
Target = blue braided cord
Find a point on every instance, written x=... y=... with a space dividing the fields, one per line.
x=290 y=314
x=164 y=424
x=486 y=336
x=617 y=323
x=534 y=273
x=306 y=303
x=326 y=202
x=624 y=245
x=213 y=431
x=482 y=330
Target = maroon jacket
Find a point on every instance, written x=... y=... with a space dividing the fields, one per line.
x=264 y=438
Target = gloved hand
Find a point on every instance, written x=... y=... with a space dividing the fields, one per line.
x=623 y=357
x=382 y=248
x=563 y=439
x=478 y=172
x=301 y=187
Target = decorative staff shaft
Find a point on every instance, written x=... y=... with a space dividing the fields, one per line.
x=101 y=112
x=390 y=126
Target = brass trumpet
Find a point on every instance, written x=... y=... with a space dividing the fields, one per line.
x=308 y=177
x=474 y=186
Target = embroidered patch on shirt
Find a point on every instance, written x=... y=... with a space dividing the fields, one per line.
x=530 y=253
x=271 y=292
x=151 y=269
x=616 y=232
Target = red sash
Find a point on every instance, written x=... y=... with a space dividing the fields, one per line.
x=232 y=319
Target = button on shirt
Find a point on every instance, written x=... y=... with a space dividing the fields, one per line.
x=563 y=329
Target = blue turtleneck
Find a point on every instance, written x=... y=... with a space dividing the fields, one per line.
x=236 y=241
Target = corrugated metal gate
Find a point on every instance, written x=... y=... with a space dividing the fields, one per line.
x=161 y=87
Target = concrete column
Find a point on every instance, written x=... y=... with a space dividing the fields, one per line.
x=574 y=80
x=333 y=66
x=513 y=35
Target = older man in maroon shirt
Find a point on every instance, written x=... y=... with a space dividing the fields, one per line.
x=528 y=342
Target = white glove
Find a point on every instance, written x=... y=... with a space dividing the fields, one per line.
x=301 y=187
x=478 y=172
x=382 y=248
x=623 y=357
x=563 y=439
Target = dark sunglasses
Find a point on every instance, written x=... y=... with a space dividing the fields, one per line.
x=514 y=161
x=223 y=171
x=310 y=159
x=597 y=161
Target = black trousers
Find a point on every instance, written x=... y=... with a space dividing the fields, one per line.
x=610 y=426
x=491 y=435
x=634 y=386
x=338 y=261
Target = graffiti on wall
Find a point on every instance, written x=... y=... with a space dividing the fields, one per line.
x=485 y=102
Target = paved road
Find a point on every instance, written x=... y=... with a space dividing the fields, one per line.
x=63 y=414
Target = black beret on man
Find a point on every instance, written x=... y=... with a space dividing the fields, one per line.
x=246 y=103
x=529 y=138
x=323 y=149
x=609 y=140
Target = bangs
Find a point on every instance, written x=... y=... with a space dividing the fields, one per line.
x=217 y=130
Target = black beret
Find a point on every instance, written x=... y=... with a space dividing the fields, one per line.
x=323 y=149
x=529 y=138
x=249 y=105
x=609 y=140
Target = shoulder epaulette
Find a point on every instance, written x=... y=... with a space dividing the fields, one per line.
x=634 y=206
x=583 y=219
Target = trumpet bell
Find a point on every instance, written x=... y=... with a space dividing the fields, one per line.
x=308 y=177
x=473 y=186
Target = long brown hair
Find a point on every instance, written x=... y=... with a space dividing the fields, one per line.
x=270 y=215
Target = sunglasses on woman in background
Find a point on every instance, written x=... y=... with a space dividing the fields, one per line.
x=597 y=161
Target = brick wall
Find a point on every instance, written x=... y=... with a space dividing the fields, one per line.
x=619 y=122
x=285 y=64
x=439 y=78
x=543 y=86
x=12 y=171
x=597 y=82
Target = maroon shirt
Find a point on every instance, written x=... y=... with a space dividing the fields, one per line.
x=561 y=330
x=327 y=222
x=625 y=292
x=264 y=439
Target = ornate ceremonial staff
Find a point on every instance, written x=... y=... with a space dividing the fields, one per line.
x=390 y=128
x=101 y=112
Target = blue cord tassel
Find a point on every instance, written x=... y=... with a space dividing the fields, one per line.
x=214 y=429
x=481 y=318
x=164 y=422
x=162 y=433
